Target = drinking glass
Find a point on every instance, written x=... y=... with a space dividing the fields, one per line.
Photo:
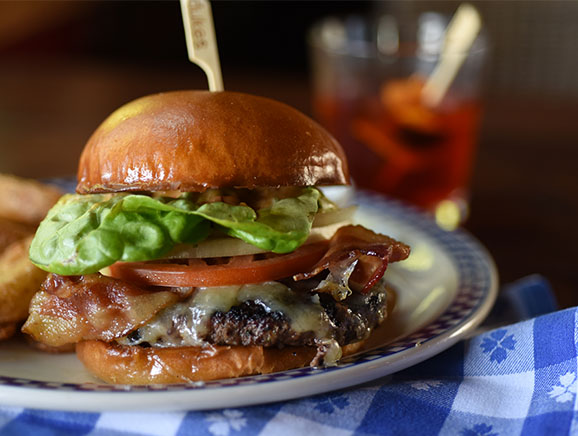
x=368 y=76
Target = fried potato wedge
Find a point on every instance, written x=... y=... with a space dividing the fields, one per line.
x=25 y=200
x=7 y=330
x=12 y=231
x=19 y=281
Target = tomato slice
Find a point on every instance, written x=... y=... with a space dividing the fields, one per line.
x=238 y=270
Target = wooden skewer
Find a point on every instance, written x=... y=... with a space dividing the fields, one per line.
x=201 y=40
x=460 y=35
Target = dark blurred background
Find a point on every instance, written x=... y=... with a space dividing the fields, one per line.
x=65 y=65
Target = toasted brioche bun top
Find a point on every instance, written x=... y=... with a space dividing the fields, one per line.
x=194 y=140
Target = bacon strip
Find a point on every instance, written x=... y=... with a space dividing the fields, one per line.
x=360 y=248
x=92 y=307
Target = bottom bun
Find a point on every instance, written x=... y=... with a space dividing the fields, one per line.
x=134 y=365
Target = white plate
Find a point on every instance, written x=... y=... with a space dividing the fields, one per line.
x=445 y=289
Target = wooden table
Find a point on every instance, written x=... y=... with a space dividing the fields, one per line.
x=524 y=204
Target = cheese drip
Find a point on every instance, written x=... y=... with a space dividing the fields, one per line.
x=303 y=312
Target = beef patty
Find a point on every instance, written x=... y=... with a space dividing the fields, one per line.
x=254 y=323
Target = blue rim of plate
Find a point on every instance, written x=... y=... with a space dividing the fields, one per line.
x=477 y=287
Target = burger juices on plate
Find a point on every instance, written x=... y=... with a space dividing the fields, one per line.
x=199 y=247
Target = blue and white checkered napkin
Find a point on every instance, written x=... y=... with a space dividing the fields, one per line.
x=516 y=379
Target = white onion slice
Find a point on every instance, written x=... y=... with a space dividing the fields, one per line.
x=326 y=232
x=333 y=217
x=215 y=247
x=220 y=247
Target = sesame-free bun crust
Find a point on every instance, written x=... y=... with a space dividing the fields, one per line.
x=195 y=140
x=135 y=365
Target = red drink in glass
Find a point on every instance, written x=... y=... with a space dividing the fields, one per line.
x=368 y=76
x=397 y=146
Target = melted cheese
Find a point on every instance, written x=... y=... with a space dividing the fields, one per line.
x=304 y=314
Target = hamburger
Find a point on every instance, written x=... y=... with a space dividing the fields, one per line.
x=199 y=246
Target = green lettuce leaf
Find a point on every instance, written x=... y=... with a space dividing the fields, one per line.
x=85 y=233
